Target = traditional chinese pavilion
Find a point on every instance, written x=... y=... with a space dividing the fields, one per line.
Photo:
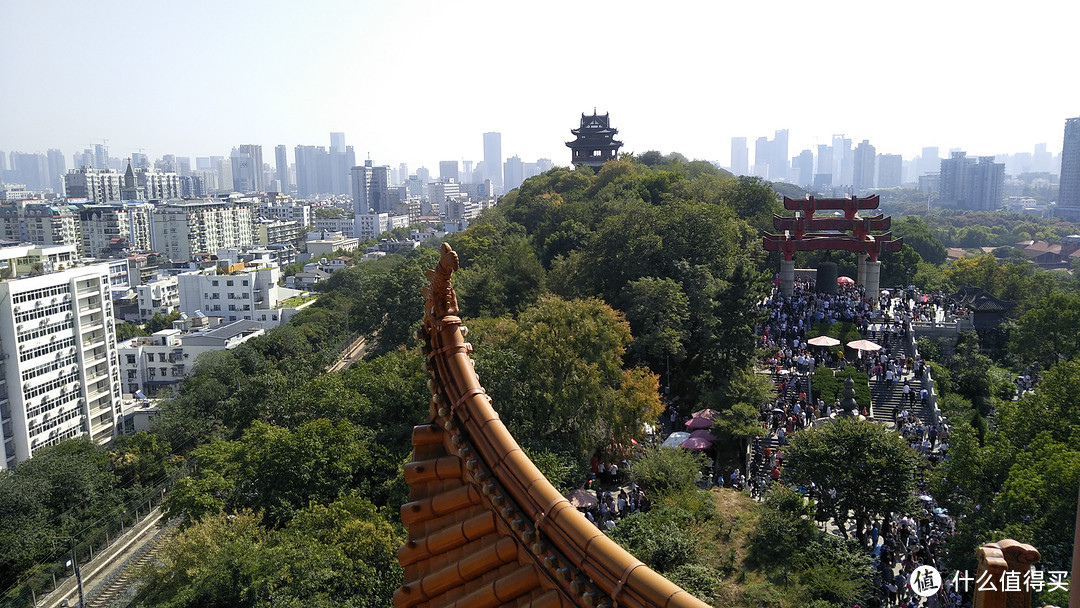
x=842 y=230
x=595 y=143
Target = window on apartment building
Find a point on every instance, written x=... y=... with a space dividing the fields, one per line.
x=161 y=357
x=131 y=359
x=217 y=306
x=229 y=283
x=244 y=283
x=163 y=370
x=150 y=358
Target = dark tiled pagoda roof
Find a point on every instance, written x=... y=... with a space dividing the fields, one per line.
x=979 y=300
x=486 y=528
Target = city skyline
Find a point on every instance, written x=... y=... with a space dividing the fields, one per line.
x=670 y=83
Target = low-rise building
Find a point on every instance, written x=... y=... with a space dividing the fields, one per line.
x=326 y=244
x=246 y=295
x=161 y=296
x=165 y=358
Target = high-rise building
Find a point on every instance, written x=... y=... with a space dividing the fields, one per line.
x=31 y=170
x=60 y=365
x=101 y=156
x=281 y=161
x=181 y=229
x=778 y=163
x=247 y=169
x=513 y=172
x=1041 y=159
x=804 y=166
x=843 y=161
x=929 y=161
x=139 y=160
x=973 y=184
x=762 y=156
x=890 y=170
x=57 y=169
x=448 y=170
x=740 y=156
x=342 y=158
x=493 y=158
x=863 y=169
x=313 y=171
x=824 y=165
x=371 y=189
x=103 y=223
x=42 y=224
x=97 y=185
x=1069 y=185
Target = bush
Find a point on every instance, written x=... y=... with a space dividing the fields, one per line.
x=785 y=526
x=661 y=538
x=829 y=386
x=664 y=472
x=930 y=349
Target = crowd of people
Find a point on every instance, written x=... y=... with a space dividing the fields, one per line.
x=899 y=543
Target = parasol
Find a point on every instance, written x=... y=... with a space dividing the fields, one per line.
x=706 y=413
x=823 y=341
x=703 y=434
x=675 y=439
x=845 y=280
x=582 y=499
x=695 y=444
x=866 y=345
x=698 y=423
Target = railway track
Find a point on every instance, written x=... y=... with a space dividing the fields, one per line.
x=117 y=590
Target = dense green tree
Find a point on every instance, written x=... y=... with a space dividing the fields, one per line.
x=870 y=467
x=278 y=471
x=1048 y=332
x=558 y=376
x=658 y=312
x=128 y=330
x=504 y=280
x=664 y=472
x=142 y=458
x=919 y=237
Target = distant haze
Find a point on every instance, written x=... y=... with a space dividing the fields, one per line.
x=419 y=82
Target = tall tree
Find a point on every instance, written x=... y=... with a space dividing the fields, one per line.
x=863 y=470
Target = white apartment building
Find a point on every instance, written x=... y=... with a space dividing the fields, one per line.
x=159 y=296
x=181 y=229
x=245 y=295
x=58 y=372
x=345 y=225
x=98 y=185
x=164 y=359
x=105 y=222
x=324 y=247
x=284 y=209
x=40 y=223
x=370 y=225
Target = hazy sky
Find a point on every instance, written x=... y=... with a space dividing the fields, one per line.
x=419 y=82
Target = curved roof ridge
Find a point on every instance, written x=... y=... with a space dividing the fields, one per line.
x=466 y=465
